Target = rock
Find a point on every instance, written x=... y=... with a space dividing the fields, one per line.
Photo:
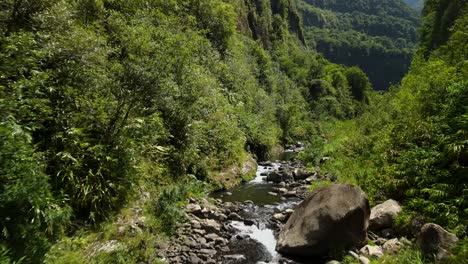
x=333 y=262
x=235 y=217
x=264 y=173
x=380 y=241
x=279 y=217
x=392 y=246
x=282 y=190
x=285 y=175
x=266 y=163
x=364 y=260
x=209 y=252
x=301 y=174
x=372 y=251
x=434 y=240
x=237 y=258
x=253 y=251
x=190 y=242
x=382 y=215
x=387 y=232
x=310 y=179
x=416 y=225
x=193 y=208
x=331 y=218
x=211 y=237
x=249 y=222
x=193 y=259
x=282 y=184
x=199 y=231
x=289 y=211
x=353 y=254
x=290 y=194
x=295 y=184
x=272 y=193
x=211 y=226
x=228 y=193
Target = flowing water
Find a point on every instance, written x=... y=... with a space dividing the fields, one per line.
x=259 y=206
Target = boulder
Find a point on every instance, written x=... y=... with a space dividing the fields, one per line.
x=434 y=240
x=211 y=226
x=301 y=174
x=372 y=251
x=392 y=246
x=331 y=218
x=282 y=176
x=382 y=215
x=363 y=260
x=235 y=217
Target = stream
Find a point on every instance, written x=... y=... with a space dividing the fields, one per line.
x=259 y=205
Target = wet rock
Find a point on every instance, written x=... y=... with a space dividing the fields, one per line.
x=284 y=175
x=331 y=218
x=253 y=251
x=272 y=193
x=295 y=184
x=249 y=222
x=434 y=240
x=372 y=251
x=333 y=262
x=282 y=184
x=279 y=217
x=382 y=215
x=235 y=217
x=266 y=163
x=235 y=258
x=282 y=190
x=290 y=194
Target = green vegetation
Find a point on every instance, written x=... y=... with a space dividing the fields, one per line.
x=103 y=101
x=378 y=36
x=114 y=110
x=411 y=143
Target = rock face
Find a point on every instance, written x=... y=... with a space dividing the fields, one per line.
x=332 y=217
x=382 y=215
x=434 y=240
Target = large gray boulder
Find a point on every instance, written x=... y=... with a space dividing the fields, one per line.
x=301 y=174
x=331 y=218
x=382 y=215
x=436 y=241
x=280 y=176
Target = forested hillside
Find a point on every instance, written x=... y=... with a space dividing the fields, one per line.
x=113 y=113
x=416 y=4
x=104 y=101
x=411 y=144
x=378 y=36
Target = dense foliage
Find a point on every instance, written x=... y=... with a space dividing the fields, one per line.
x=103 y=99
x=378 y=36
x=411 y=144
